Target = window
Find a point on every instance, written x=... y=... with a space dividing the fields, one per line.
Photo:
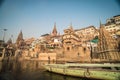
x=68 y=48
x=84 y=49
x=69 y=42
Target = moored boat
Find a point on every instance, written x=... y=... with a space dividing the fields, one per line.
x=97 y=71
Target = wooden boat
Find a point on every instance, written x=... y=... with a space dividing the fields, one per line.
x=96 y=71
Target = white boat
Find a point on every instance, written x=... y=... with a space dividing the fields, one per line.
x=95 y=71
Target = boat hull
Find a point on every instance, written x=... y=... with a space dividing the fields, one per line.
x=84 y=72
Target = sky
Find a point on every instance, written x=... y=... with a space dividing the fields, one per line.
x=37 y=17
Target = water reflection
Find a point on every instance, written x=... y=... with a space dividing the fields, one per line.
x=28 y=70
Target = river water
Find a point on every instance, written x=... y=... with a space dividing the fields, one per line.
x=29 y=70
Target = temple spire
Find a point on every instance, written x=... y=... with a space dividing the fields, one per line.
x=20 y=39
x=70 y=27
x=54 y=32
x=100 y=23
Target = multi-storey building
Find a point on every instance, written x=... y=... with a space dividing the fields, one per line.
x=73 y=48
x=87 y=33
x=113 y=25
x=28 y=42
x=70 y=39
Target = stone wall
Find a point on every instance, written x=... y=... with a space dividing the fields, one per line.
x=47 y=56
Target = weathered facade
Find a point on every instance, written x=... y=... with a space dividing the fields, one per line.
x=73 y=50
x=107 y=49
x=47 y=56
x=87 y=33
x=113 y=25
x=86 y=44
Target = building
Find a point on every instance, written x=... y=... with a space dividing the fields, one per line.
x=107 y=49
x=70 y=39
x=55 y=39
x=113 y=25
x=73 y=49
x=20 y=41
x=54 y=32
x=87 y=33
x=28 y=42
x=2 y=43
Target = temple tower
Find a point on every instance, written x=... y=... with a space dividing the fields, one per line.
x=107 y=46
x=54 y=32
x=20 y=40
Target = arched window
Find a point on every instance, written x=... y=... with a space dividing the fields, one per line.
x=84 y=49
x=68 y=48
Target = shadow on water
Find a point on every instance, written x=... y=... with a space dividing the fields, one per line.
x=29 y=70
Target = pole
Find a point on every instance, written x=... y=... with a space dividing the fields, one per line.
x=90 y=52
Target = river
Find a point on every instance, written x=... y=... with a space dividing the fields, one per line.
x=29 y=70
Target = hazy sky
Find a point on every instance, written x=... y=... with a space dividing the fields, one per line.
x=37 y=17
